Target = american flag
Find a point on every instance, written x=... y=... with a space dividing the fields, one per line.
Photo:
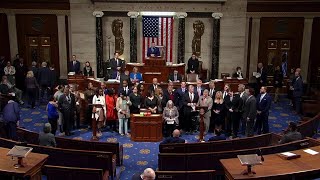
x=160 y=31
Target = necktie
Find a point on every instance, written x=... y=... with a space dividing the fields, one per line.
x=191 y=98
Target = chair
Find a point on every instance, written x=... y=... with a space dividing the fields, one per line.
x=192 y=77
x=225 y=75
x=162 y=50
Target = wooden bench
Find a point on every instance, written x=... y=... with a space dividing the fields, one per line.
x=71 y=173
x=210 y=160
x=185 y=175
x=66 y=143
x=71 y=157
x=310 y=127
x=216 y=146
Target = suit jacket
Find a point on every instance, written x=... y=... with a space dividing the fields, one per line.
x=263 y=77
x=113 y=64
x=171 y=77
x=250 y=109
x=151 y=88
x=193 y=65
x=155 y=51
x=87 y=73
x=65 y=105
x=47 y=139
x=121 y=90
x=171 y=140
x=244 y=98
x=201 y=90
x=235 y=104
x=74 y=67
x=208 y=103
x=297 y=87
x=213 y=95
x=166 y=97
x=179 y=95
x=236 y=75
x=264 y=104
x=226 y=94
x=187 y=100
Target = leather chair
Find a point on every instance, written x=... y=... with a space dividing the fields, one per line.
x=192 y=77
x=225 y=75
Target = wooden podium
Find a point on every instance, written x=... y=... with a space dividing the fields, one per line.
x=32 y=165
x=146 y=128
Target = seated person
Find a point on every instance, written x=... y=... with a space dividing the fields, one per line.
x=116 y=75
x=87 y=70
x=193 y=64
x=135 y=76
x=46 y=138
x=148 y=174
x=175 y=77
x=153 y=51
x=7 y=88
x=291 y=134
x=218 y=135
x=174 y=139
x=238 y=73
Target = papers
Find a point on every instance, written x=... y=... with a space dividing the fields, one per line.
x=71 y=73
x=310 y=151
x=288 y=154
x=170 y=122
x=113 y=81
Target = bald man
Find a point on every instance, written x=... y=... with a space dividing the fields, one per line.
x=148 y=174
x=174 y=139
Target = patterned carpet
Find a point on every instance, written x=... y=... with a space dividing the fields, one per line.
x=137 y=155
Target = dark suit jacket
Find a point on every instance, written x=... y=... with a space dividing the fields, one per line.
x=47 y=139
x=74 y=67
x=264 y=104
x=114 y=64
x=121 y=90
x=193 y=65
x=196 y=90
x=166 y=97
x=64 y=105
x=235 y=104
x=297 y=87
x=156 y=51
x=171 y=77
x=187 y=100
x=250 y=109
x=151 y=88
x=263 y=77
x=213 y=94
x=171 y=140
x=179 y=95
x=236 y=75
x=85 y=73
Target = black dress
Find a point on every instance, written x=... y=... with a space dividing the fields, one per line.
x=278 y=76
x=151 y=103
x=218 y=118
x=193 y=65
x=136 y=101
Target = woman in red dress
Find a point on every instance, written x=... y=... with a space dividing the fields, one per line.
x=111 y=99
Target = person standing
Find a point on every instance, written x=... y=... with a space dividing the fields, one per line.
x=261 y=76
x=277 y=83
x=218 y=108
x=11 y=118
x=206 y=100
x=297 y=92
x=233 y=108
x=151 y=102
x=136 y=101
x=44 y=76
x=190 y=101
x=88 y=96
x=250 y=112
x=238 y=73
x=21 y=72
x=99 y=113
x=244 y=97
x=74 y=65
x=56 y=98
x=171 y=118
x=263 y=107
x=117 y=64
x=178 y=101
x=153 y=51
x=53 y=114
x=111 y=99
x=67 y=106
x=31 y=88
x=193 y=65
x=123 y=107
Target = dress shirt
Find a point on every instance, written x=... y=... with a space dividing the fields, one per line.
x=241 y=94
x=199 y=91
x=262 y=96
x=183 y=89
x=191 y=95
x=211 y=92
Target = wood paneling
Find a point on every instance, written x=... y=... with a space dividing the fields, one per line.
x=38 y=26
x=283 y=6
x=35 y=4
x=281 y=29
x=314 y=51
x=4 y=37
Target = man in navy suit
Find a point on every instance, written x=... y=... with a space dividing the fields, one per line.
x=74 y=65
x=178 y=101
x=174 y=139
x=263 y=107
x=261 y=77
x=297 y=91
x=153 y=51
x=190 y=101
x=124 y=89
x=116 y=64
x=199 y=88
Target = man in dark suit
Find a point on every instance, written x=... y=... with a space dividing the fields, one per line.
x=297 y=91
x=175 y=77
x=74 y=65
x=250 y=112
x=154 y=85
x=233 y=104
x=168 y=94
x=212 y=91
x=244 y=96
x=116 y=63
x=263 y=106
x=174 y=139
x=261 y=76
x=225 y=91
x=179 y=95
x=125 y=76
x=124 y=89
x=193 y=65
x=44 y=77
x=291 y=134
x=67 y=106
x=190 y=101
x=238 y=73
x=199 y=89
x=153 y=51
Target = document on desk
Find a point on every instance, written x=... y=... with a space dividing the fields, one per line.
x=288 y=154
x=310 y=151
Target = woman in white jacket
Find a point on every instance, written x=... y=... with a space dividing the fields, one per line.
x=99 y=113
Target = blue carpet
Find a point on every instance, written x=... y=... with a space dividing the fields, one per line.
x=140 y=155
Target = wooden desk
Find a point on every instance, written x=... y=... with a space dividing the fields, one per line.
x=33 y=163
x=274 y=167
x=146 y=128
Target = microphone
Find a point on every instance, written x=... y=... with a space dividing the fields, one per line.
x=260 y=154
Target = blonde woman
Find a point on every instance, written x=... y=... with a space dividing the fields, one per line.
x=99 y=113
x=31 y=85
x=217 y=109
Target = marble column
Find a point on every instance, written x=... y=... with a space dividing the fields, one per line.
x=62 y=40
x=305 y=52
x=181 y=36
x=133 y=35
x=12 y=28
x=99 y=43
x=215 y=45
x=254 y=49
